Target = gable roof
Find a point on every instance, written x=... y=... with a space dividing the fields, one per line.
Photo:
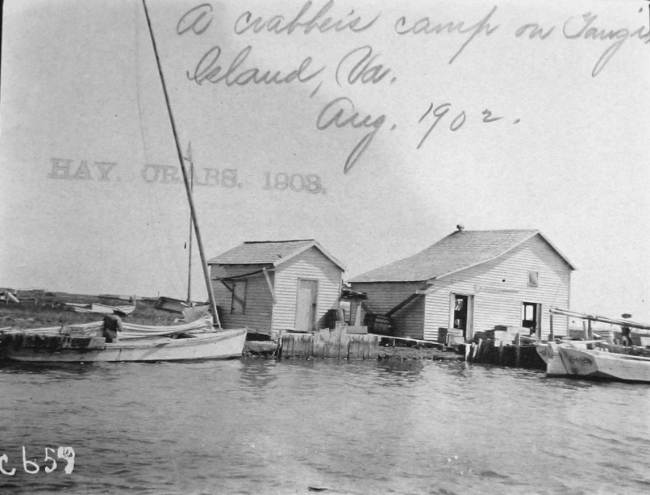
x=269 y=252
x=458 y=251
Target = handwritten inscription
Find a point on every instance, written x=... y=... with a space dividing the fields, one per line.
x=362 y=66
x=456 y=123
x=341 y=112
x=426 y=26
x=585 y=29
x=209 y=70
x=320 y=22
x=32 y=467
x=359 y=66
x=197 y=19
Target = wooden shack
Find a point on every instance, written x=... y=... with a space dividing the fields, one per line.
x=472 y=281
x=276 y=285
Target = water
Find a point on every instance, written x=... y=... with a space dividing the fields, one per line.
x=266 y=427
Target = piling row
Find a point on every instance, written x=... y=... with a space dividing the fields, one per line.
x=329 y=343
x=518 y=355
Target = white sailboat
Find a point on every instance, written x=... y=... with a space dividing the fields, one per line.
x=201 y=339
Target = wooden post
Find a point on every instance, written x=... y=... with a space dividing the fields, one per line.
x=585 y=335
x=501 y=353
x=551 y=335
x=268 y=282
x=468 y=348
x=285 y=344
x=318 y=345
x=357 y=315
x=487 y=355
x=518 y=350
x=353 y=347
x=590 y=333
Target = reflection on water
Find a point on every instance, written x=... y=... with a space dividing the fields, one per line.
x=257 y=426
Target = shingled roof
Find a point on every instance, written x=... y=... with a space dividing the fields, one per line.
x=456 y=252
x=269 y=252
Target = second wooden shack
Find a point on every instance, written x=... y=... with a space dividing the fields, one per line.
x=269 y=286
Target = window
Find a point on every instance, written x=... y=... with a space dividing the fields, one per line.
x=533 y=278
x=238 y=305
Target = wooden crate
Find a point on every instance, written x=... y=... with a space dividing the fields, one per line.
x=498 y=334
x=354 y=330
x=575 y=333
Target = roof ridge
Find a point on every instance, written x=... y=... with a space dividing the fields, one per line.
x=457 y=251
x=278 y=242
x=497 y=230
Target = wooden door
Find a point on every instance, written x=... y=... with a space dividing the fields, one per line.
x=306 y=305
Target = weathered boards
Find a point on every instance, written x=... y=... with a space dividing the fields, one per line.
x=330 y=343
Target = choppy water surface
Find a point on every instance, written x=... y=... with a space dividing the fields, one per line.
x=282 y=427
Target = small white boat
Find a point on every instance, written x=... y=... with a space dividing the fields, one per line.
x=82 y=343
x=102 y=309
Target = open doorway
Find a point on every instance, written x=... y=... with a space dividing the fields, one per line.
x=461 y=314
x=531 y=316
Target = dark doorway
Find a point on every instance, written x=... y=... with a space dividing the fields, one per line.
x=460 y=313
x=530 y=313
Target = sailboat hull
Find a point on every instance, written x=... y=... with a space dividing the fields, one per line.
x=212 y=345
x=551 y=356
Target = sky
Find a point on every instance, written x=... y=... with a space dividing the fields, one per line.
x=375 y=138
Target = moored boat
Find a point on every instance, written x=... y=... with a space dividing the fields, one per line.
x=599 y=363
x=84 y=343
x=597 y=358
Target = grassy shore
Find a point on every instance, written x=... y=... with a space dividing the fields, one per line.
x=48 y=309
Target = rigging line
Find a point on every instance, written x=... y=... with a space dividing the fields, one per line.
x=172 y=284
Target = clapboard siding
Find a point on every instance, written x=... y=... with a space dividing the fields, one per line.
x=259 y=302
x=310 y=265
x=500 y=287
x=384 y=296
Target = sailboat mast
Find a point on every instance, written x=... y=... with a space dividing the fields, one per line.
x=189 y=268
x=206 y=273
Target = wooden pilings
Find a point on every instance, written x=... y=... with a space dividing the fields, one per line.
x=486 y=352
x=330 y=343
